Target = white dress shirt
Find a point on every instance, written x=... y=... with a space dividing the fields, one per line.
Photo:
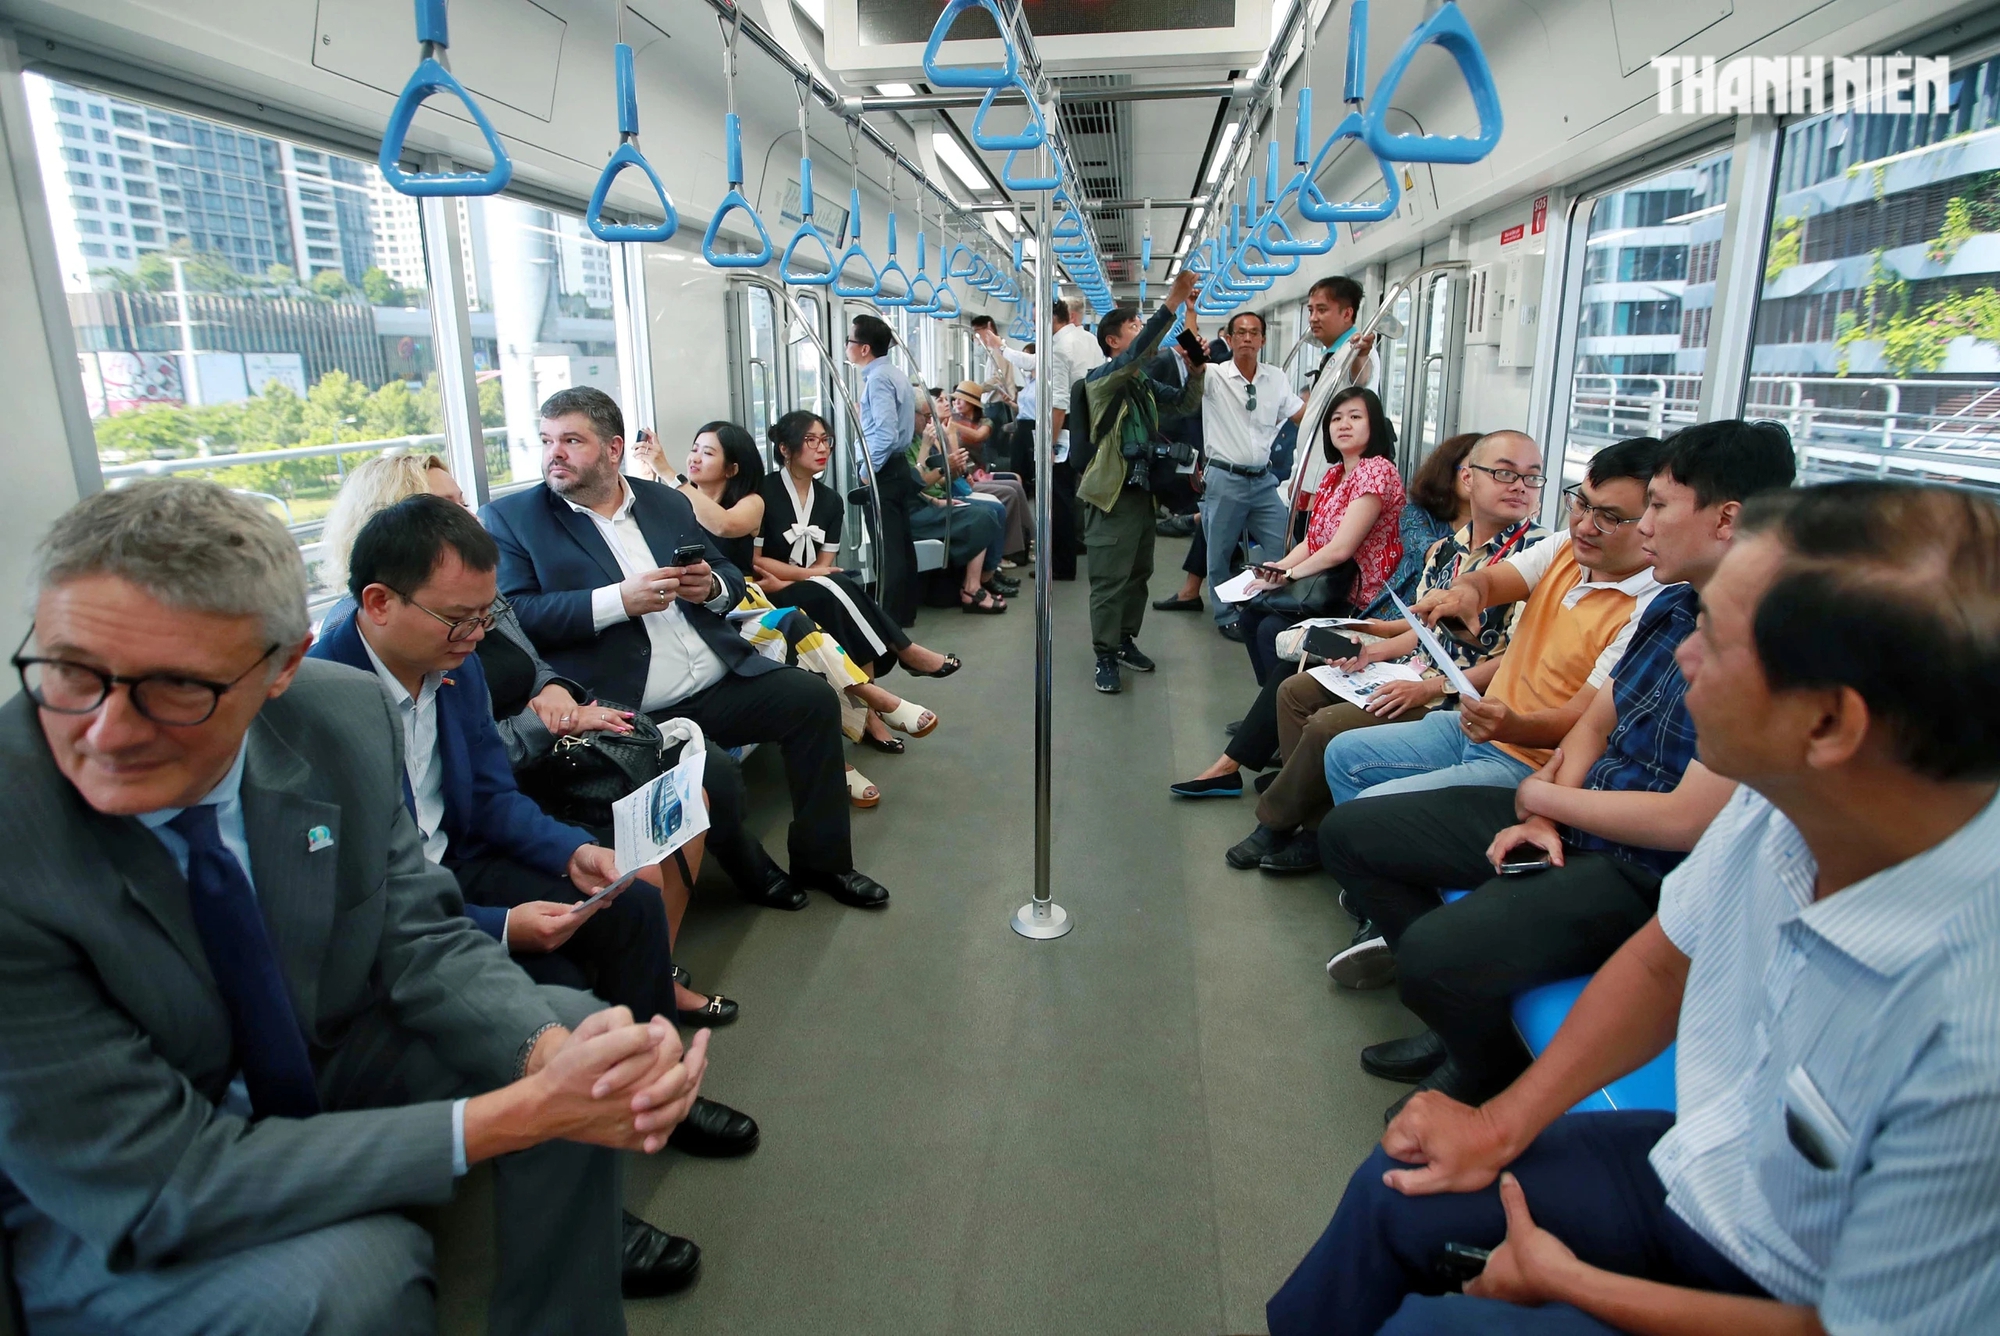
x=1230 y=431
x=227 y=800
x=420 y=748
x=1835 y=1066
x=1073 y=355
x=681 y=663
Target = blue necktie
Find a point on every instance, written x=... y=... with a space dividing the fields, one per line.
x=269 y=1045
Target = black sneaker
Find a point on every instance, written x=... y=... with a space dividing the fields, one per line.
x=1129 y=655
x=1107 y=673
x=1366 y=963
x=1294 y=857
x=1243 y=854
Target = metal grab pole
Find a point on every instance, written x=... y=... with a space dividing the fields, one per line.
x=1042 y=918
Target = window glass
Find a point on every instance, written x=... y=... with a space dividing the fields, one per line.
x=1396 y=360
x=538 y=289
x=1649 y=267
x=1878 y=331
x=805 y=356
x=761 y=371
x=1436 y=367
x=216 y=324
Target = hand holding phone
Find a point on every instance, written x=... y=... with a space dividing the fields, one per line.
x=689 y=554
x=1460 y=1263
x=1523 y=859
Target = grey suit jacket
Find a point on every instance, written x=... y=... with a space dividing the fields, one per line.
x=115 y=1043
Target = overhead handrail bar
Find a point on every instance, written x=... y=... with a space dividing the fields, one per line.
x=732 y=133
x=1448 y=29
x=429 y=77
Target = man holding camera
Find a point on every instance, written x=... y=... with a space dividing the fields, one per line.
x=1115 y=457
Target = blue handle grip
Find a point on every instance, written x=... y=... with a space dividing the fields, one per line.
x=1449 y=30
x=968 y=76
x=1020 y=328
x=1017 y=252
x=1029 y=136
x=939 y=309
x=628 y=155
x=1271 y=176
x=854 y=214
x=882 y=295
x=1315 y=207
x=1289 y=244
x=849 y=256
x=807 y=232
x=892 y=236
x=1012 y=182
x=1356 y=85
x=806 y=188
x=430 y=77
x=922 y=302
x=628 y=89
x=732 y=139
x=1265 y=267
x=735 y=259
x=1302 y=129
x=430 y=23
x=1145 y=253
x=971 y=270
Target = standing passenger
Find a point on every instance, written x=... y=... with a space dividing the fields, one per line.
x=1243 y=405
x=888 y=420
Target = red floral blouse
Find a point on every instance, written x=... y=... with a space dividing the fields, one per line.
x=1382 y=549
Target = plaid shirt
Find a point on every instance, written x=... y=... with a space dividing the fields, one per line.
x=1653 y=741
x=1452 y=556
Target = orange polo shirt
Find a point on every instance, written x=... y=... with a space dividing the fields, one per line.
x=1571 y=633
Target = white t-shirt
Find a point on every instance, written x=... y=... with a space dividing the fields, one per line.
x=1231 y=431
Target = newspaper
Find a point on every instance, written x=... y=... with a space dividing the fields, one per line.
x=1435 y=648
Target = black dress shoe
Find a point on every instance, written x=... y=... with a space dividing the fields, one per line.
x=1247 y=852
x=1296 y=857
x=1453 y=1082
x=1177 y=604
x=1408 y=1060
x=656 y=1262
x=713 y=1014
x=715 y=1131
x=850 y=888
x=775 y=891
x=1233 y=631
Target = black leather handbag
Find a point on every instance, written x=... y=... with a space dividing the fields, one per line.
x=585 y=773
x=1321 y=595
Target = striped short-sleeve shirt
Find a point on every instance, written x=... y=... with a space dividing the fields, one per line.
x=1838 y=1135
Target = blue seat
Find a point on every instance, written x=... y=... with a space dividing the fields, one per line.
x=1539 y=1013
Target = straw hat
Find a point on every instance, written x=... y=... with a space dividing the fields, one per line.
x=970 y=389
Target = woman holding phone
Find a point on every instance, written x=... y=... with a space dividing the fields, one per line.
x=1352 y=542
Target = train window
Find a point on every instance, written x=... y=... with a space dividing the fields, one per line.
x=1395 y=381
x=1434 y=370
x=809 y=391
x=761 y=365
x=1649 y=269
x=1875 y=340
x=265 y=323
x=539 y=291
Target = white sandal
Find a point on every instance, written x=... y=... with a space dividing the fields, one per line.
x=861 y=790
x=908 y=717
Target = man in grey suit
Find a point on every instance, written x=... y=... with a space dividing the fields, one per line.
x=243 y=1022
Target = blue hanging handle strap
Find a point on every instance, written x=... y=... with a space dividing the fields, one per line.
x=732 y=129
x=628 y=155
x=1013 y=182
x=429 y=77
x=1030 y=135
x=969 y=76
x=1448 y=29
x=1289 y=244
x=807 y=230
x=971 y=269
x=1315 y=206
x=1355 y=88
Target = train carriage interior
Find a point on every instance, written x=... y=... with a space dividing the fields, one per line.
x=1518 y=265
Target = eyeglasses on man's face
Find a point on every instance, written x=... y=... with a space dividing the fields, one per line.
x=1602 y=518
x=1508 y=477
x=65 y=686
x=458 y=630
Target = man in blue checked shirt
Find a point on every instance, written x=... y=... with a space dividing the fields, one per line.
x=1827 y=960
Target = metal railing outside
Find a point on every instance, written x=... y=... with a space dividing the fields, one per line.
x=1881 y=434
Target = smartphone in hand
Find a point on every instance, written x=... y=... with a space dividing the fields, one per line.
x=687 y=554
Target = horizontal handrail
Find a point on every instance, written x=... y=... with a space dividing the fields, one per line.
x=156 y=468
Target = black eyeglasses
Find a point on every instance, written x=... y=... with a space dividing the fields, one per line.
x=1508 y=477
x=1604 y=519
x=463 y=628
x=64 y=686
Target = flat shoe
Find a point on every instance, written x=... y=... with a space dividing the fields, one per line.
x=893 y=746
x=909 y=718
x=1259 y=843
x=1220 y=786
x=1295 y=857
x=859 y=789
x=715 y=1013
x=1177 y=604
x=952 y=663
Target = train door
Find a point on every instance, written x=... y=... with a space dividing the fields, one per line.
x=1396 y=356
x=1433 y=405
x=759 y=386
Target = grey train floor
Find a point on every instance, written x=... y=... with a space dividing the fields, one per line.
x=1138 y=1128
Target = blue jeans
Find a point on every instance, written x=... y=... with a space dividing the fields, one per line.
x=1428 y=753
x=1232 y=505
x=1587 y=1181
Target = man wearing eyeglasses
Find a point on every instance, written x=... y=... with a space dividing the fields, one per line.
x=243 y=1024
x=1243 y=405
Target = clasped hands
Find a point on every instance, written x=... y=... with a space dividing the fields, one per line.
x=616 y=1082
x=651 y=591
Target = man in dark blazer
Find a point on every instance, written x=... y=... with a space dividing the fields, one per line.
x=619 y=586
x=243 y=1023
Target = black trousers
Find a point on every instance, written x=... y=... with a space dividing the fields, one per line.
x=899 y=487
x=1065 y=524
x=857 y=621
x=1255 y=746
x=1458 y=964
x=621 y=953
x=800 y=714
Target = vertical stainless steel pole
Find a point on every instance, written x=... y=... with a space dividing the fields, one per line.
x=1042 y=918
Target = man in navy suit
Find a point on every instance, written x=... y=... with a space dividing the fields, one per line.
x=510 y=858
x=589 y=562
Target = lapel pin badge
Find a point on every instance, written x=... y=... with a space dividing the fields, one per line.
x=318 y=838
